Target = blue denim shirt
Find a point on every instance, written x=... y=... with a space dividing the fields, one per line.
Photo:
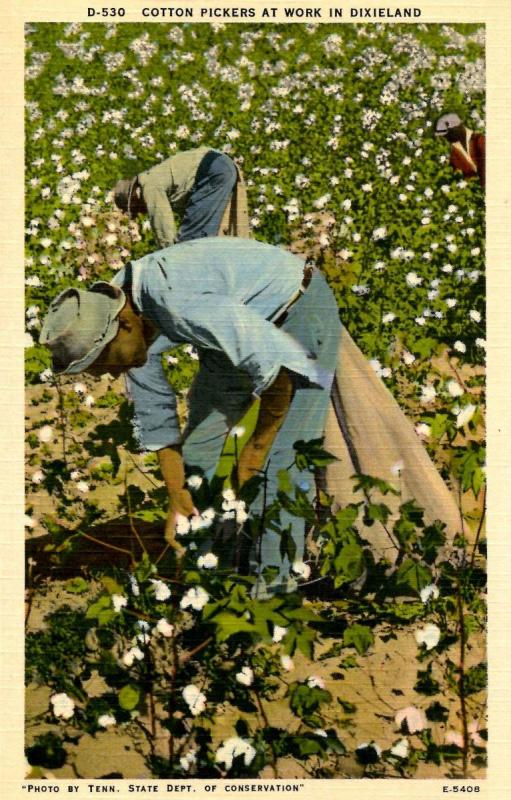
x=220 y=295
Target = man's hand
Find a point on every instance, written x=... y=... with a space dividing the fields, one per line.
x=180 y=504
x=180 y=499
x=275 y=402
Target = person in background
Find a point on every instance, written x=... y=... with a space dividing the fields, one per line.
x=467 y=147
x=203 y=184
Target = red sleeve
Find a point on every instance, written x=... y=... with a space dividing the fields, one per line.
x=480 y=153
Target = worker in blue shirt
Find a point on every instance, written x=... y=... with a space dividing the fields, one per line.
x=264 y=326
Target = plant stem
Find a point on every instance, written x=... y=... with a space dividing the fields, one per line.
x=162 y=554
x=152 y=712
x=267 y=726
x=28 y=604
x=146 y=476
x=461 y=682
x=263 y=514
x=130 y=515
x=460 y=506
x=108 y=546
x=196 y=650
x=236 y=462
x=63 y=421
x=458 y=376
x=479 y=529
x=174 y=674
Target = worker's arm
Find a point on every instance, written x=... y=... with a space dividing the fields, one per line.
x=180 y=499
x=156 y=427
x=253 y=344
x=275 y=403
x=157 y=186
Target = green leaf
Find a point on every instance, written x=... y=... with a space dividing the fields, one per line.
x=347 y=707
x=229 y=624
x=412 y=576
x=312 y=454
x=300 y=506
x=334 y=743
x=47 y=751
x=407 y=611
x=284 y=481
x=436 y=712
x=287 y=545
x=360 y=637
x=426 y=684
x=102 y=603
x=404 y=531
x=432 y=538
x=365 y=483
x=306 y=745
x=129 y=697
x=305 y=700
x=77 y=586
x=349 y=564
x=144 y=569
x=476 y=679
x=425 y=347
x=111 y=585
x=303 y=640
x=438 y=425
x=378 y=512
x=150 y=514
x=345 y=518
x=270 y=574
x=106 y=616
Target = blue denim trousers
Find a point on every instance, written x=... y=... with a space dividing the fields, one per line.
x=221 y=395
x=216 y=178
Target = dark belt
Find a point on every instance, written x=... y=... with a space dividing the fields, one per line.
x=308 y=272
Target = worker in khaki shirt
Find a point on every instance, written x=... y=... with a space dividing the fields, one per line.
x=198 y=183
x=468 y=149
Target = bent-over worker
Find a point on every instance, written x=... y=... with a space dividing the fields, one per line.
x=203 y=184
x=468 y=149
x=264 y=326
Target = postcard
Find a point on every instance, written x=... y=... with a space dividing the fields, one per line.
x=255 y=299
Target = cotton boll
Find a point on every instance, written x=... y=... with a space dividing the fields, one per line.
x=106 y=721
x=161 y=590
x=207 y=561
x=287 y=663
x=411 y=719
x=195 y=598
x=231 y=749
x=45 y=434
x=454 y=389
x=278 y=633
x=429 y=592
x=119 y=601
x=194 y=699
x=301 y=569
x=428 y=636
x=401 y=748
x=245 y=676
x=63 y=705
x=164 y=627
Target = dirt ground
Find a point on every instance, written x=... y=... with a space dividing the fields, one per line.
x=378 y=691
